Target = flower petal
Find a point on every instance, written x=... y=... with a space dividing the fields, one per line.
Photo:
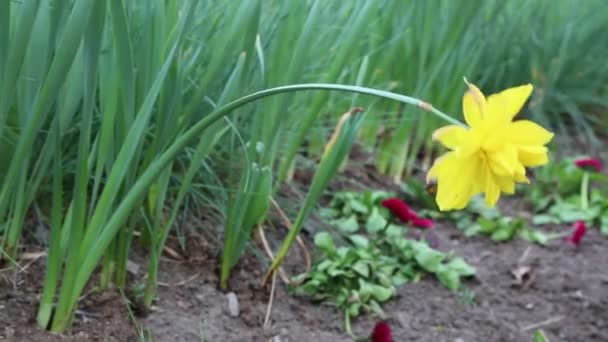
x=473 y=105
x=505 y=162
x=506 y=184
x=533 y=155
x=505 y=105
x=525 y=132
x=450 y=136
x=593 y=164
x=455 y=192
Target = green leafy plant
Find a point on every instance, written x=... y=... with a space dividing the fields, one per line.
x=348 y=209
x=568 y=210
x=374 y=259
x=479 y=219
x=555 y=181
x=574 y=195
x=364 y=273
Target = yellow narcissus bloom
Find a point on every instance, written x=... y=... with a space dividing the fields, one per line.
x=490 y=155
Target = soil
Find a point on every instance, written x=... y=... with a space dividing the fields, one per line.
x=565 y=293
x=100 y=317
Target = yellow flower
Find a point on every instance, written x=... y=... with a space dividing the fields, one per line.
x=491 y=154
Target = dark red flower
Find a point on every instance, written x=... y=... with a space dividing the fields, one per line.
x=577 y=235
x=592 y=164
x=382 y=333
x=399 y=209
x=422 y=223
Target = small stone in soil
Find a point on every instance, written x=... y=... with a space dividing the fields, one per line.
x=233 y=304
x=183 y=305
x=132 y=267
x=9 y=332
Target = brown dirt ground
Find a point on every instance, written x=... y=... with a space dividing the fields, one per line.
x=566 y=296
x=101 y=317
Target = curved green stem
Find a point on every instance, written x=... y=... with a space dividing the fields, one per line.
x=347 y=327
x=133 y=197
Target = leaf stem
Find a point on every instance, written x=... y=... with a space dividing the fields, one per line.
x=585 y=191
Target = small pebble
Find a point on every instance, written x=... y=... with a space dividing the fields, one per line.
x=403 y=320
x=459 y=340
x=132 y=267
x=183 y=305
x=233 y=304
x=530 y=306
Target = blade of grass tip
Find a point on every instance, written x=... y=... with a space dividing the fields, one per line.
x=137 y=191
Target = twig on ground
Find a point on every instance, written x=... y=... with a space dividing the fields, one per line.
x=543 y=323
x=288 y=224
x=270 y=301
x=268 y=251
x=180 y=283
x=524 y=255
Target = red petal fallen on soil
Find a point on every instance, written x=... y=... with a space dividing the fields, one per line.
x=593 y=164
x=382 y=333
x=577 y=235
x=422 y=223
x=399 y=209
